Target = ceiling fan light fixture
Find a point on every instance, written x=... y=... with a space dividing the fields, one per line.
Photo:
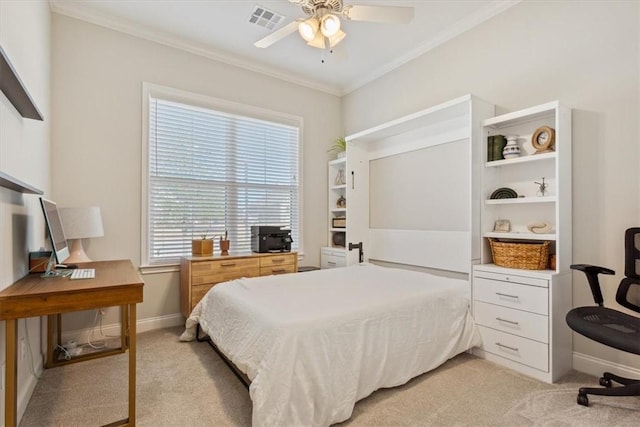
x=337 y=38
x=329 y=25
x=318 y=41
x=308 y=29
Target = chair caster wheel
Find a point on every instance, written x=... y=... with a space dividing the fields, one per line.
x=605 y=382
x=583 y=400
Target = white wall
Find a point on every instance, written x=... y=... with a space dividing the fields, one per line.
x=97 y=111
x=584 y=54
x=24 y=154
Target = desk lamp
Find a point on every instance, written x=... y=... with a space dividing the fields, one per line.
x=78 y=224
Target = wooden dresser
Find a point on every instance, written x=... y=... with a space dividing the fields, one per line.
x=199 y=273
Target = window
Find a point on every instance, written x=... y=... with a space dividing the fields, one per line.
x=214 y=170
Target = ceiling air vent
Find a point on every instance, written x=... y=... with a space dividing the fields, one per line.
x=265 y=18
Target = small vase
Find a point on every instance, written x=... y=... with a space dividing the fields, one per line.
x=511 y=150
x=224 y=247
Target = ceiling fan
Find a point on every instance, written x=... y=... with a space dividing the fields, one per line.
x=321 y=27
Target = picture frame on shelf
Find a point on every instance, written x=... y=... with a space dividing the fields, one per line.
x=502 y=226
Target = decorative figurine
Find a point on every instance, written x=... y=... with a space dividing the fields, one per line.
x=542 y=190
x=342 y=202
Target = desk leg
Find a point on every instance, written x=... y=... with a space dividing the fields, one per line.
x=124 y=321
x=132 y=364
x=11 y=392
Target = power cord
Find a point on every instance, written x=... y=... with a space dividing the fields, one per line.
x=91 y=332
x=26 y=333
x=67 y=355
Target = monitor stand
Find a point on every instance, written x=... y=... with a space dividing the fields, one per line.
x=50 y=272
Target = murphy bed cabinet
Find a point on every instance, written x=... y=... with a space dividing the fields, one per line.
x=521 y=313
x=451 y=125
x=199 y=273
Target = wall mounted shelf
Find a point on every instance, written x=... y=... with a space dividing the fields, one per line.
x=14 y=90
x=7 y=181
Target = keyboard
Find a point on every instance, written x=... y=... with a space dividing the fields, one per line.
x=83 y=273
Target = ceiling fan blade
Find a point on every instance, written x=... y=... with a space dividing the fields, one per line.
x=277 y=35
x=383 y=14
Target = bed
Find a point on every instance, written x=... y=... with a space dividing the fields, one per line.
x=313 y=344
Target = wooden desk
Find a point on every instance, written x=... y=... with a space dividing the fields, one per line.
x=116 y=283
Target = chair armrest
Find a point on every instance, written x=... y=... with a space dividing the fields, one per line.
x=592 y=271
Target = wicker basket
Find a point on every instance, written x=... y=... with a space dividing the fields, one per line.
x=527 y=256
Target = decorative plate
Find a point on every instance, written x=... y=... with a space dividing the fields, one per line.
x=504 y=193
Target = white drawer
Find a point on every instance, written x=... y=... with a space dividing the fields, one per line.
x=332 y=261
x=512 y=278
x=521 y=323
x=520 y=297
x=528 y=352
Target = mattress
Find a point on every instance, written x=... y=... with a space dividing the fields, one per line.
x=315 y=343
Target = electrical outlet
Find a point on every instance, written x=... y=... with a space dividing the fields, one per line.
x=23 y=348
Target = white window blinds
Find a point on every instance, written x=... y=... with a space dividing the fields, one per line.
x=211 y=172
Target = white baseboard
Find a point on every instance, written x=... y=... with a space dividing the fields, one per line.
x=595 y=366
x=142 y=325
x=26 y=392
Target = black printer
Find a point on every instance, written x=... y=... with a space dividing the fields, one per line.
x=269 y=238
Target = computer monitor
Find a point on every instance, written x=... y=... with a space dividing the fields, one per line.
x=53 y=224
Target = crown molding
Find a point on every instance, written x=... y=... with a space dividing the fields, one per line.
x=460 y=27
x=125 y=26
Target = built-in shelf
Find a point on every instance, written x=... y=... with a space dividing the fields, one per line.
x=521 y=200
x=339 y=187
x=520 y=236
x=14 y=90
x=7 y=181
x=523 y=159
x=338 y=210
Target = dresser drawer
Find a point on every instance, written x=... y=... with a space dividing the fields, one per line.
x=276 y=260
x=521 y=297
x=517 y=322
x=512 y=278
x=518 y=349
x=332 y=259
x=223 y=270
x=277 y=269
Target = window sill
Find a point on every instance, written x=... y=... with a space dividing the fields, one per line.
x=157 y=269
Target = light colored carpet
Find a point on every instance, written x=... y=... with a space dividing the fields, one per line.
x=186 y=384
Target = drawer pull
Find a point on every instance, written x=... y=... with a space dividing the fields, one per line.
x=331 y=263
x=228 y=264
x=277 y=260
x=280 y=270
x=507 y=295
x=507 y=347
x=506 y=321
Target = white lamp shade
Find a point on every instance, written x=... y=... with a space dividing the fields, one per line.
x=308 y=29
x=318 y=41
x=81 y=223
x=337 y=38
x=330 y=25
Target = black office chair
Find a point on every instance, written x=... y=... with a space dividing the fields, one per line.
x=611 y=327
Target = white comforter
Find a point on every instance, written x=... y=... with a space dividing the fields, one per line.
x=314 y=343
